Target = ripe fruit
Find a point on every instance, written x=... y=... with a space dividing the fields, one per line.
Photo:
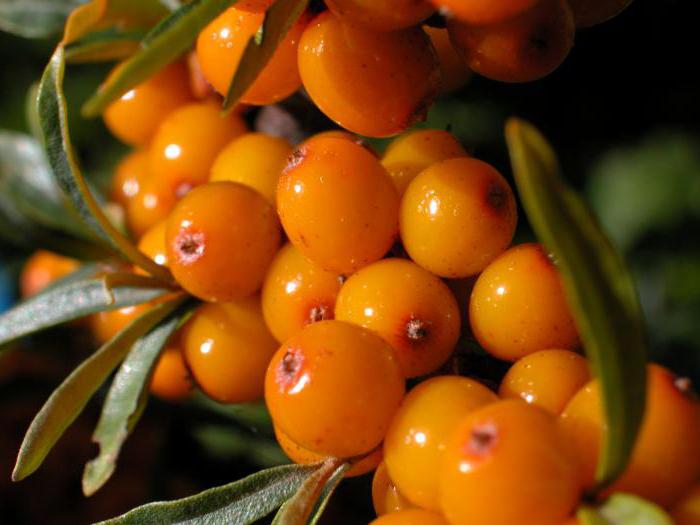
x=480 y=12
x=507 y=463
x=338 y=205
x=228 y=347
x=254 y=160
x=414 y=311
x=521 y=49
x=411 y=517
x=135 y=117
x=254 y=6
x=220 y=47
x=457 y=216
x=105 y=325
x=333 y=388
x=687 y=510
x=518 y=305
x=151 y=205
x=128 y=179
x=171 y=380
x=666 y=458
x=375 y=84
x=414 y=444
x=548 y=379
x=186 y=144
x=414 y=151
x=386 y=497
x=153 y=244
x=591 y=12
x=382 y=15
x=454 y=72
x=296 y=293
x=42 y=269
x=220 y=239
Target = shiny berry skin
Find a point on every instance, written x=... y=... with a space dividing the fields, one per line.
x=414 y=444
x=518 y=305
x=151 y=205
x=220 y=240
x=484 y=12
x=457 y=216
x=187 y=143
x=105 y=325
x=333 y=388
x=303 y=456
x=386 y=497
x=42 y=269
x=220 y=47
x=152 y=243
x=254 y=160
x=414 y=151
x=171 y=380
x=381 y=15
x=666 y=457
x=254 y=6
x=135 y=117
x=454 y=72
x=296 y=293
x=411 y=517
x=511 y=452
x=548 y=379
x=687 y=510
x=371 y=83
x=227 y=348
x=522 y=49
x=338 y=205
x=414 y=311
x=129 y=177
x=592 y=12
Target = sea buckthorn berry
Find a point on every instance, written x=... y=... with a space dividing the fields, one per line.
x=254 y=6
x=414 y=151
x=152 y=243
x=375 y=84
x=414 y=444
x=548 y=379
x=220 y=47
x=296 y=293
x=457 y=216
x=382 y=15
x=255 y=160
x=518 y=305
x=220 y=240
x=666 y=457
x=411 y=517
x=523 y=49
x=303 y=456
x=687 y=510
x=338 y=205
x=591 y=12
x=414 y=311
x=187 y=143
x=42 y=269
x=151 y=205
x=227 y=348
x=453 y=69
x=171 y=380
x=484 y=12
x=129 y=177
x=335 y=134
x=135 y=117
x=511 y=452
x=105 y=325
x=386 y=497
x=333 y=388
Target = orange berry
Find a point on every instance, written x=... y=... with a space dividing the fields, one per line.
x=414 y=311
x=128 y=179
x=383 y=15
x=171 y=380
x=333 y=388
x=254 y=160
x=220 y=47
x=666 y=458
x=522 y=49
x=303 y=456
x=417 y=150
x=151 y=205
x=227 y=348
x=254 y=6
x=687 y=510
x=511 y=452
x=414 y=444
x=296 y=293
x=386 y=497
x=42 y=269
x=484 y=12
x=457 y=216
x=411 y=517
x=334 y=134
x=186 y=144
x=453 y=69
x=135 y=117
x=338 y=205
x=518 y=305
x=591 y=12
x=548 y=379
x=372 y=83
x=105 y=325
x=220 y=240
x=152 y=243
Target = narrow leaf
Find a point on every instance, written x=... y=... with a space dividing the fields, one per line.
x=104 y=46
x=590 y=516
x=279 y=19
x=327 y=492
x=54 y=124
x=599 y=289
x=35 y=18
x=165 y=43
x=125 y=400
x=628 y=509
x=68 y=400
x=242 y=502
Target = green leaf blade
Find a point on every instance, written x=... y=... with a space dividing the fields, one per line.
x=624 y=509
x=35 y=18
